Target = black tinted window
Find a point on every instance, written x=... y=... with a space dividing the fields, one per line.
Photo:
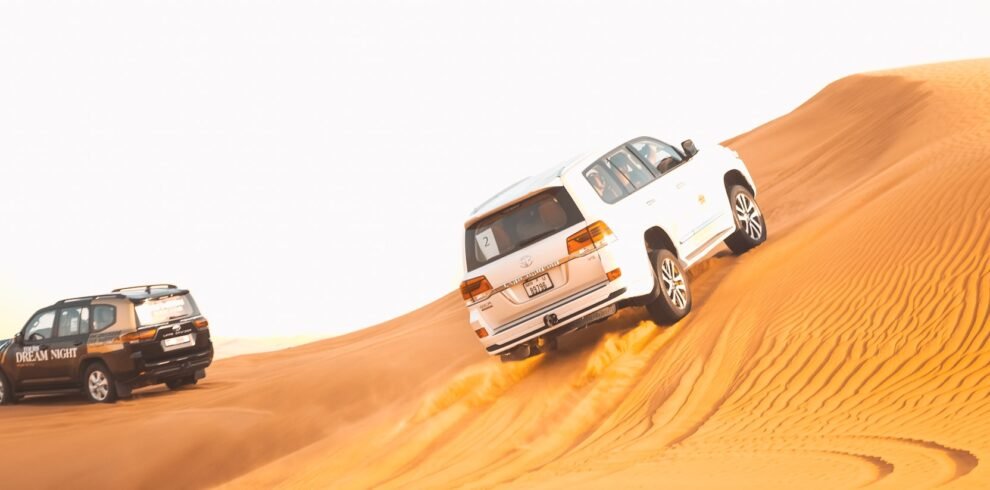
x=73 y=321
x=103 y=317
x=631 y=168
x=161 y=310
x=655 y=152
x=517 y=226
x=607 y=182
x=41 y=326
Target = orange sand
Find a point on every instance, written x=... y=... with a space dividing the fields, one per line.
x=852 y=348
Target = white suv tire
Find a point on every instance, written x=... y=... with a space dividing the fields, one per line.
x=674 y=299
x=751 y=226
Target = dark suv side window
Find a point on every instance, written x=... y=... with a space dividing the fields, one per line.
x=73 y=321
x=41 y=327
x=103 y=317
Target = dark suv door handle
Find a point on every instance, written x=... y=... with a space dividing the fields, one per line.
x=43 y=347
x=77 y=343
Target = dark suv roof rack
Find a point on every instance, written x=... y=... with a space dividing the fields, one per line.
x=147 y=288
x=89 y=298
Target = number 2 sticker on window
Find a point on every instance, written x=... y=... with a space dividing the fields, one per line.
x=486 y=242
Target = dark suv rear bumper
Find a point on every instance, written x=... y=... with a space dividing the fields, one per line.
x=179 y=366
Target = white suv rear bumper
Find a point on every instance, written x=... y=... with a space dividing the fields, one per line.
x=569 y=313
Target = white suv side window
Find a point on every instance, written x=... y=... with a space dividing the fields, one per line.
x=655 y=154
x=631 y=168
x=609 y=184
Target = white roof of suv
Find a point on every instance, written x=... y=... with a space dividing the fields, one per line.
x=520 y=189
x=535 y=183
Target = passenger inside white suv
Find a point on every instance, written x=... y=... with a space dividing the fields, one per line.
x=634 y=171
x=657 y=156
x=547 y=215
x=606 y=188
x=544 y=258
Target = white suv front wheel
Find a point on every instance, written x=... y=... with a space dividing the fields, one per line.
x=674 y=300
x=751 y=227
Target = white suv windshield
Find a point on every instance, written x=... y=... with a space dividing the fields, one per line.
x=153 y=312
x=517 y=226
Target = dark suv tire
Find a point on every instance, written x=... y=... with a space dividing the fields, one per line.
x=6 y=391
x=176 y=383
x=98 y=384
x=674 y=300
x=751 y=227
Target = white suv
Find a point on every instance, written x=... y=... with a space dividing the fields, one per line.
x=566 y=248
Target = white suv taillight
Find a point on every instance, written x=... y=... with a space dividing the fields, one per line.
x=476 y=289
x=595 y=236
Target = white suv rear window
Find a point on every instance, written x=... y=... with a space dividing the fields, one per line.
x=517 y=226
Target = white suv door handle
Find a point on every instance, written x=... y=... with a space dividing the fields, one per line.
x=651 y=202
x=680 y=185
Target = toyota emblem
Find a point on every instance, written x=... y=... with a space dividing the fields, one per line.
x=526 y=261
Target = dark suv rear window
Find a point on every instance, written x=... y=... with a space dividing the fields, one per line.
x=161 y=310
x=519 y=225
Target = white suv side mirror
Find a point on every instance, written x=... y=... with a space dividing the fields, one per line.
x=689 y=149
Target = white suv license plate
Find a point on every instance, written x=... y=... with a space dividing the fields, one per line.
x=177 y=341
x=539 y=285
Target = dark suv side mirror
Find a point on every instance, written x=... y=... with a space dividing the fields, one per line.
x=689 y=149
x=19 y=339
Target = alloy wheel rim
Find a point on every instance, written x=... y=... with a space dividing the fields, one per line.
x=99 y=386
x=3 y=391
x=673 y=283
x=749 y=216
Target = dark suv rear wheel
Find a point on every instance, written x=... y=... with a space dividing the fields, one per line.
x=176 y=383
x=674 y=300
x=6 y=392
x=98 y=385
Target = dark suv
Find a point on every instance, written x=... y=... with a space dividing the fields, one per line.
x=107 y=345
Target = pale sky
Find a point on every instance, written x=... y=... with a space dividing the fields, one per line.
x=305 y=168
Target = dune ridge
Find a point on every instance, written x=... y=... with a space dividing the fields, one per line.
x=849 y=350
x=839 y=355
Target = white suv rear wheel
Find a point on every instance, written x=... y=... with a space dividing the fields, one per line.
x=674 y=300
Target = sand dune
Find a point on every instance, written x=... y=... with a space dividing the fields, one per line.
x=850 y=349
